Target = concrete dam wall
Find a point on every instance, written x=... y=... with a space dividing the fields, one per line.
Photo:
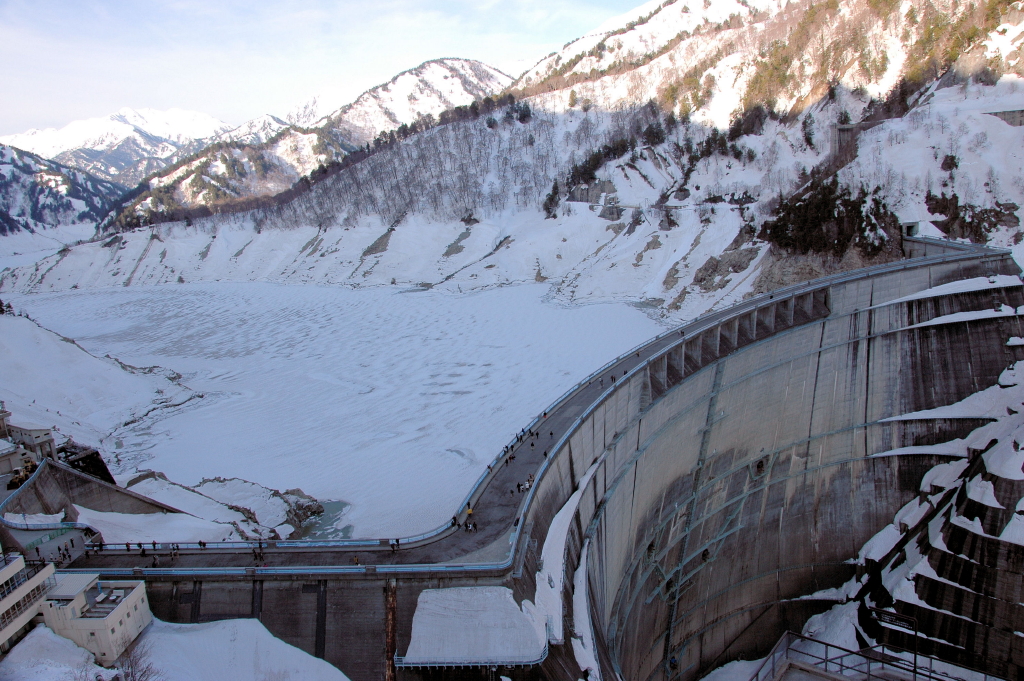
x=731 y=482
x=736 y=465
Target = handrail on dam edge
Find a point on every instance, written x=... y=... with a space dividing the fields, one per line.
x=685 y=332
x=796 y=648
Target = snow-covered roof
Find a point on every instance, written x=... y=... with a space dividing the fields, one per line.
x=28 y=426
x=70 y=585
x=6 y=447
x=472 y=625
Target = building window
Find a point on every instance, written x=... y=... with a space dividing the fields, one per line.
x=129 y=615
x=111 y=630
x=120 y=623
x=136 y=607
x=25 y=603
x=92 y=633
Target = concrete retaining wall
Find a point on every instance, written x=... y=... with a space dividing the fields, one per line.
x=56 y=488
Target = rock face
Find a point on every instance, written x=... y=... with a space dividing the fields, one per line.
x=780 y=269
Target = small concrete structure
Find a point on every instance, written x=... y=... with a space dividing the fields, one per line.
x=22 y=588
x=36 y=439
x=1014 y=118
x=104 y=617
x=14 y=456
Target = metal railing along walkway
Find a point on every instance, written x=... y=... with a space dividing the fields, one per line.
x=878 y=662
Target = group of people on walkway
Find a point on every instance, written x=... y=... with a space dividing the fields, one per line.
x=63 y=554
x=523 y=486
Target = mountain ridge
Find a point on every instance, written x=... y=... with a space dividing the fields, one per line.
x=36 y=193
x=122 y=147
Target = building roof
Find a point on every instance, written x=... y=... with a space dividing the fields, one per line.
x=70 y=585
x=6 y=446
x=29 y=426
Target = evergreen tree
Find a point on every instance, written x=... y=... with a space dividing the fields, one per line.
x=551 y=202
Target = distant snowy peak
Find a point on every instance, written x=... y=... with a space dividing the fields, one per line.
x=176 y=126
x=430 y=88
x=256 y=131
x=124 y=146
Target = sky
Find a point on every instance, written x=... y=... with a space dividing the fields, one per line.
x=66 y=60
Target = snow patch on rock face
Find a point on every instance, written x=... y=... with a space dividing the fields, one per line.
x=118 y=528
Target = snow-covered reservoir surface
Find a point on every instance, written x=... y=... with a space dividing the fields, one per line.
x=388 y=399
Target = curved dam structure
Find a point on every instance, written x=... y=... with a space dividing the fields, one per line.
x=698 y=490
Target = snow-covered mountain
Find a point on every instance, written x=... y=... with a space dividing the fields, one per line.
x=36 y=194
x=255 y=131
x=777 y=148
x=266 y=156
x=428 y=89
x=123 y=147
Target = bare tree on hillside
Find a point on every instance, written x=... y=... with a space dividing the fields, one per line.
x=136 y=663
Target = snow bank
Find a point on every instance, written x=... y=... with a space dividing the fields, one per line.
x=230 y=650
x=880 y=544
x=34 y=518
x=972 y=316
x=552 y=572
x=583 y=642
x=473 y=624
x=961 y=286
x=836 y=626
x=118 y=528
x=738 y=670
x=187 y=500
x=44 y=656
x=270 y=510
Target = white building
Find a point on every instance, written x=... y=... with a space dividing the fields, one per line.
x=22 y=589
x=36 y=439
x=14 y=456
x=104 y=617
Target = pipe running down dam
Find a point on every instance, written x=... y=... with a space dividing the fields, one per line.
x=729 y=471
